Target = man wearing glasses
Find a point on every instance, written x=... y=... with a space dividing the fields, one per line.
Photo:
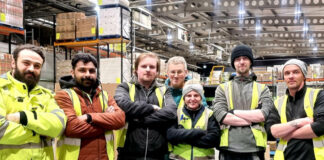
x=177 y=76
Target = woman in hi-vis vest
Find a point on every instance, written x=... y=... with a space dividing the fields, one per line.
x=196 y=132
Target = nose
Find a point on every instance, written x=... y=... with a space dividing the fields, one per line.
x=31 y=68
x=148 y=68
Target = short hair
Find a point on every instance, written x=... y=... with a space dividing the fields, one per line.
x=144 y=55
x=31 y=47
x=85 y=58
x=177 y=60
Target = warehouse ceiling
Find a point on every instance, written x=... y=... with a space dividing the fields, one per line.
x=273 y=28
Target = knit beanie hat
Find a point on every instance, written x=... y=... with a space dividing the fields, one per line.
x=190 y=85
x=241 y=50
x=302 y=65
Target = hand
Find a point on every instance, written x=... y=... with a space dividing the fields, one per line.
x=303 y=121
x=83 y=118
x=155 y=107
x=110 y=109
x=13 y=117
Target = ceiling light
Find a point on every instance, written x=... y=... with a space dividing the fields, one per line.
x=258 y=26
x=311 y=40
x=305 y=28
x=315 y=48
x=241 y=12
x=298 y=11
x=191 y=46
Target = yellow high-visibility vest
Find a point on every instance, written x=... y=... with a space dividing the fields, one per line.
x=258 y=130
x=309 y=102
x=69 y=148
x=186 y=151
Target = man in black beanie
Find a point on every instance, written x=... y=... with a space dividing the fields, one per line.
x=241 y=106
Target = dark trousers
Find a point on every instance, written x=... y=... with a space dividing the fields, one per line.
x=227 y=155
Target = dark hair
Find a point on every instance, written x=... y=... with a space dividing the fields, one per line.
x=31 y=47
x=85 y=58
x=144 y=55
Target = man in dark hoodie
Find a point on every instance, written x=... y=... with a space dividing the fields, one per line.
x=149 y=110
x=177 y=76
x=92 y=113
x=241 y=106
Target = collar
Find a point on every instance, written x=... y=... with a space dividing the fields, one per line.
x=299 y=94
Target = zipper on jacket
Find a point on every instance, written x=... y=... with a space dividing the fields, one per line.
x=146 y=143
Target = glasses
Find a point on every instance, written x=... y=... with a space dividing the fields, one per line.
x=173 y=73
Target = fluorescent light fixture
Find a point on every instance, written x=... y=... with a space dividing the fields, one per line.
x=258 y=26
x=305 y=27
x=44 y=20
x=191 y=46
x=298 y=11
x=315 y=48
x=311 y=40
x=241 y=8
x=169 y=36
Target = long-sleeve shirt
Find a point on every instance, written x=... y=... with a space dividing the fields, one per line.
x=300 y=149
x=241 y=138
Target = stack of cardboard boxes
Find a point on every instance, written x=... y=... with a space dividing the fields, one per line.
x=114 y=19
x=86 y=27
x=66 y=25
x=11 y=13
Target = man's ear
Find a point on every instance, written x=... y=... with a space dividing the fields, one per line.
x=72 y=72
x=13 y=64
x=186 y=73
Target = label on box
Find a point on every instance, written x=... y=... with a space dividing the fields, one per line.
x=2 y=17
x=99 y=2
x=100 y=30
x=93 y=30
x=57 y=35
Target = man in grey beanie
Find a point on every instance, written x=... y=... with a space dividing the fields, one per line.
x=298 y=119
x=241 y=106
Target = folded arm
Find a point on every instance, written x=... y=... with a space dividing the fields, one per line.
x=111 y=119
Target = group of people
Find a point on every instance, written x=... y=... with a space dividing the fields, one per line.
x=152 y=121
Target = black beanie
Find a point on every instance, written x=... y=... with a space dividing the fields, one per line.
x=241 y=50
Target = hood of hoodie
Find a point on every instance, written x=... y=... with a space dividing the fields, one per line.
x=69 y=82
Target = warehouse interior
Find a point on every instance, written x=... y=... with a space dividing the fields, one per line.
x=204 y=32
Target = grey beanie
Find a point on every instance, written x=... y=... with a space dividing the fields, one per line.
x=191 y=86
x=302 y=65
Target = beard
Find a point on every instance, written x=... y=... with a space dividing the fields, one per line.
x=30 y=80
x=85 y=83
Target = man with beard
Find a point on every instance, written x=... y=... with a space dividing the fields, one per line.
x=298 y=119
x=241 y=106
x=29 y=116
x=92 y=113
x=149 y=110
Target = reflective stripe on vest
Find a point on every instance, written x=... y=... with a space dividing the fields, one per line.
x=69 y=148
x=309 y=102
x=121 y=133
x=258 y=130
x=186 y=151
